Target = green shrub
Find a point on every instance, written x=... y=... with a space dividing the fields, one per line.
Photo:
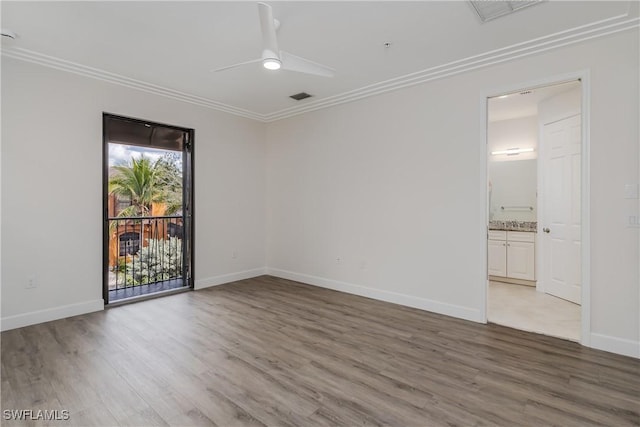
x=158 y=261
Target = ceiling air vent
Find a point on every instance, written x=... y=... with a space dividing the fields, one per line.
x=492 y=9
x=300 y=96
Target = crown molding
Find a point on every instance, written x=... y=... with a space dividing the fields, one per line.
x=568 y=37
x=96 y=73
x=553 y=41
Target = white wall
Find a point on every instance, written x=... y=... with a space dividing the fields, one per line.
x=390 y=186
x=52 y=185
x=560 y=106
x=513 y=133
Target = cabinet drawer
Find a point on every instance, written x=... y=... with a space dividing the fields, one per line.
x=497 y=235
x=521 y=236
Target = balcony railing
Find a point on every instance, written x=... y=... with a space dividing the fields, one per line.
x=145 y=251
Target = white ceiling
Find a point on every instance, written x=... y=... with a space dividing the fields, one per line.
x=170 y=47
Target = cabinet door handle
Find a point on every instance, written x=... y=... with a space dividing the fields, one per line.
x=546 y=230
x=508 y=244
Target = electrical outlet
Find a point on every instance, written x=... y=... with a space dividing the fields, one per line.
x=234 y=254
x=338 y=260
x=31 y=282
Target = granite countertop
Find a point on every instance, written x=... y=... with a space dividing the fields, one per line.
x=531 y=226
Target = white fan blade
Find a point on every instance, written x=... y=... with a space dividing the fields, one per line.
x=292 y=62
x=268 y=27
x=237 y=65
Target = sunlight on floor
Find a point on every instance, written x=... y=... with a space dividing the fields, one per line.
x=522 y=307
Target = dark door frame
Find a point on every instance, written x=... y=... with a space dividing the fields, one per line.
x=188 y=173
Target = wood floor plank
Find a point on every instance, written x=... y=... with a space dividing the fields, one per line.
x=272 y=352
x=192 y=417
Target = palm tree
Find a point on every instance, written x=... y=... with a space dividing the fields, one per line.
x=137 y=183
x=145 y=182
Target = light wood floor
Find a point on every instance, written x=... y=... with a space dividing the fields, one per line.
x=268 y=351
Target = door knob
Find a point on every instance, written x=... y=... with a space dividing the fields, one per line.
x=546 y=230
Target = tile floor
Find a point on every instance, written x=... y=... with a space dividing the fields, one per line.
x=522 y=307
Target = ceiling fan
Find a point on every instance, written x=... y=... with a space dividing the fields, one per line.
x=273 y=58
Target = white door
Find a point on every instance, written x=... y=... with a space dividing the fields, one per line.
x=559 y=228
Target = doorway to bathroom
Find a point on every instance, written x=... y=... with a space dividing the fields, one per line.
x=534 y=187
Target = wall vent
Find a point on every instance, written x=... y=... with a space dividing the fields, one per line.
x=300 y=96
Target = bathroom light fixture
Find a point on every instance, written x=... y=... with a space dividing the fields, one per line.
x=512 y=151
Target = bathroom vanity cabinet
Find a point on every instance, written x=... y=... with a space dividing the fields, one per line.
x=511 y=254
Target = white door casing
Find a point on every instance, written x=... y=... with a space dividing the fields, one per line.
x=559 y=227
x=583 y=108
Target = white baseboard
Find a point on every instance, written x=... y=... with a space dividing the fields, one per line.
x=231 y=277
x=460 y=312
x=46 y=315
x=615 y=345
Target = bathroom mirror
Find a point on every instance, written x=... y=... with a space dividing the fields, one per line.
x=512 y=190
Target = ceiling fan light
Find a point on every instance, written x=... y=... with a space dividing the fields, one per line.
x=271 y=64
